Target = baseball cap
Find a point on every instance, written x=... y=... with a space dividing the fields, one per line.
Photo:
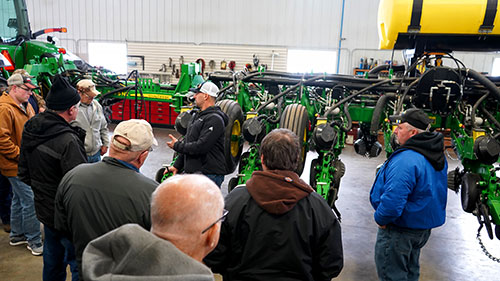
x=86 y=85
x=208 y=88
x=18 y=79
x=415 y=117
x=138 y=132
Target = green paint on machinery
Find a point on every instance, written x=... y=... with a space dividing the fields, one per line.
x=320 y=108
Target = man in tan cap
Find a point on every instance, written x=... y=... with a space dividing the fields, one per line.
x=14 y=113
x=93 y=199
x=91 y=118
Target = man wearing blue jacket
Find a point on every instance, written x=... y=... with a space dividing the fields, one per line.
x=409 y=196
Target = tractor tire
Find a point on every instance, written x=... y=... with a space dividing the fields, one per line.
x=470 y=191
x=295 y=118
x=233 y=141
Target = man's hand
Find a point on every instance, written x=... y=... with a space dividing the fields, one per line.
x=172 y=142
x=104 y=149
x=169 y=169
x=381 y=226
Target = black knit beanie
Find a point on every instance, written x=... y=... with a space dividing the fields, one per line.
x=62 y=95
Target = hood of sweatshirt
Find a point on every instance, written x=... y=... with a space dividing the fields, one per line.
x=277 y=191
x=214 y=110
x=46 y=126
x=133 y=253
x=430 y=145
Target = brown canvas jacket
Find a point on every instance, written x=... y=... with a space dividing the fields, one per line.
x=12 y=120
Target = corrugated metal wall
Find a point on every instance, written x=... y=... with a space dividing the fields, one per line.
x=299 y=24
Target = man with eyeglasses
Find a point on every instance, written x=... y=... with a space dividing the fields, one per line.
x=15 y=111
x=50 y=147
x=278 y=227
x=91 y=118
x=186 y=211
x=95 y=198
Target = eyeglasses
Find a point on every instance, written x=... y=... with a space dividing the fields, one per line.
x=26 y=89
x=224 y=215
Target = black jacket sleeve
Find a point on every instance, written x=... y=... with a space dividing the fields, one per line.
x=23 y=172
x=212 y=129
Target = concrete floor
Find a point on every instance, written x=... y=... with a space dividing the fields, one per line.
x=452 y=252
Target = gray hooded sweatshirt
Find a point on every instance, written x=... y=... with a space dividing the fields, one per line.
x=132 y=253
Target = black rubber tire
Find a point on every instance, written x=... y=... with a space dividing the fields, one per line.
x=295 y=118
x=233 y=140
x=335 y=187
x=243 y=158
x=233 y=182
x=454 y=180
x=470 y=191
x=312 y=173
x=159 y=174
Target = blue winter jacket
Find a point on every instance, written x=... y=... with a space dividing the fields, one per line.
x=410 y=189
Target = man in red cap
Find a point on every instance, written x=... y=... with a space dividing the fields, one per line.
x=14 y=113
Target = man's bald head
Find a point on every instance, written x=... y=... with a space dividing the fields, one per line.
x=182 y=207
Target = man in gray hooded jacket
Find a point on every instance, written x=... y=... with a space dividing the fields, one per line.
x=186 y=212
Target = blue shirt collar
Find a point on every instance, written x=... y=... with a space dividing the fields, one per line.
x=127 y=164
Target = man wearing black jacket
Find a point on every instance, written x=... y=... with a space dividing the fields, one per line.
x=277 y=227
x=50 y=147
x=202 y=149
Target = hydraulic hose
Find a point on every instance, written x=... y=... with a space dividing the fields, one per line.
x=483 y=81
x=288 y=91
x=344 y=100
x=382 y=67
x=490 y=117
x=379 y=107
x=474 y=108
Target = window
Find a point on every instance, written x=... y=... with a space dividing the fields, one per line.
x=310 y=61
x=495 y=71
x=112 y=56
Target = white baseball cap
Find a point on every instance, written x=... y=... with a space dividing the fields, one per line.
x=208 y=88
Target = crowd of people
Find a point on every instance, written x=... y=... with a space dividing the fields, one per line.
x=105 y=220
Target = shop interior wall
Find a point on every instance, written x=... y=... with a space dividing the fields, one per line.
x=236 y=25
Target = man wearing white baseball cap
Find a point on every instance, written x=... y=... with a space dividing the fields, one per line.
x=202 y=149
x=91 y=118
x=93 y=199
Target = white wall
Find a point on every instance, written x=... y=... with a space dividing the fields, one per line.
x=292 y=24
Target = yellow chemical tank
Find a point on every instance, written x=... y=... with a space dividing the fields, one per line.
x=443 y=24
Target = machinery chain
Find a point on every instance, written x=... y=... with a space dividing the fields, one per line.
x=485 y=251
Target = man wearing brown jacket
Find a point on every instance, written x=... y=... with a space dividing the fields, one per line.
x=14 y=113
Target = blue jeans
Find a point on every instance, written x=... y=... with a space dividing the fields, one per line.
x=94 y=158
x=397 y=252
x=218 y=179
x=23 y=221
x=58 y=252
x=5 y=199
